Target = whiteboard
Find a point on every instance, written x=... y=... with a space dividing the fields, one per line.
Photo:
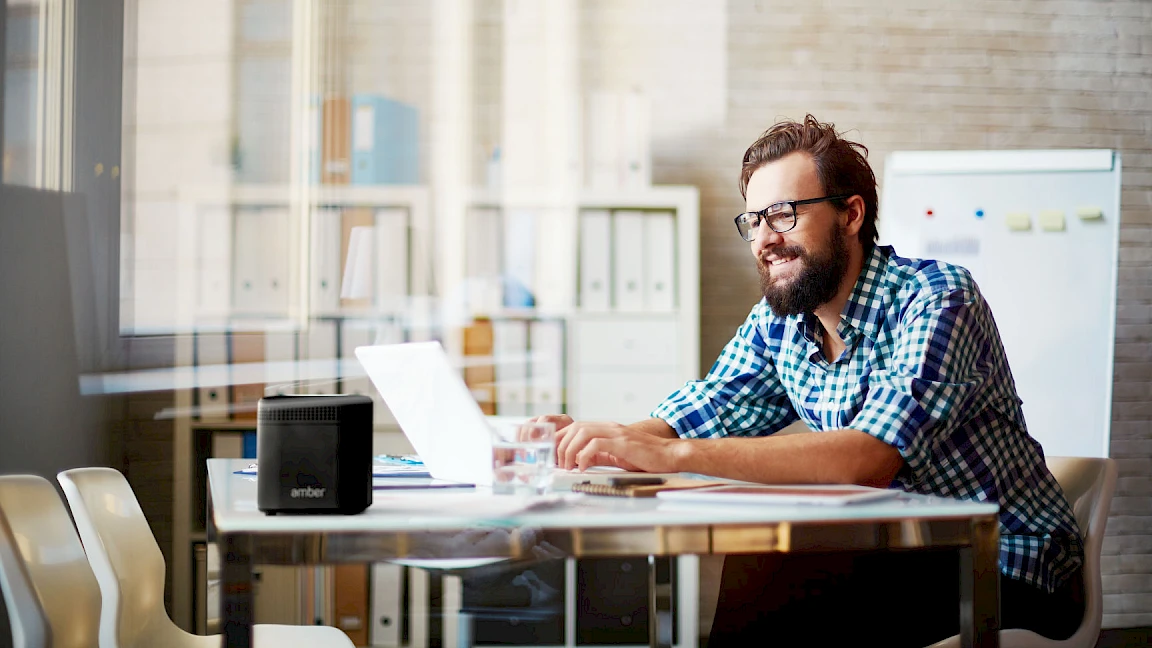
x=1051 y=291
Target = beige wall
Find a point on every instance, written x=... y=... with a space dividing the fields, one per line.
x=940 y=75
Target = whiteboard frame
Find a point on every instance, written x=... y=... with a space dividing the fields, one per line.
x=1021 y=161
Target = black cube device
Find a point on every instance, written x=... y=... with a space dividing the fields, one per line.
x=314 y=454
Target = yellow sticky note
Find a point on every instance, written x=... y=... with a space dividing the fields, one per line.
x=1089 y=213
x=1052 y=220
x=1018 y=221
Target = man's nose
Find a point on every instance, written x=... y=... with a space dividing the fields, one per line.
x=765 y=238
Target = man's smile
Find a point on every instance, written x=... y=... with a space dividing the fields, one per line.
x=779 y=264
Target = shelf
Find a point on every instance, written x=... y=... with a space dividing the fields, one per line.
x=315 y=195
x=655 y=197
x=224 y=426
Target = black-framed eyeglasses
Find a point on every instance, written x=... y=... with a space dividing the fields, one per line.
x=780 y=216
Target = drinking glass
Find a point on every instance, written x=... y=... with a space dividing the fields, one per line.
x=523 y=458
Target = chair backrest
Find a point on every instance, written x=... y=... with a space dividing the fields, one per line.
x=123 y=553
x=1088 y=483
x=26 y=621
x=52 y=596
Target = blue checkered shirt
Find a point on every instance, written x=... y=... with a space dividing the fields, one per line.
x=924 y=371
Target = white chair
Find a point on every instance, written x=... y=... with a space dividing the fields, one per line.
x=1088 y=484
x=130 y=571
x=52 y=597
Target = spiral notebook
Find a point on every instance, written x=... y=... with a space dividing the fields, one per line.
x=641 y=490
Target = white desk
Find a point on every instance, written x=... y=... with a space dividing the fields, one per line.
x=446 y=524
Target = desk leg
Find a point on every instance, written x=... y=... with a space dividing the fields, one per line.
x=236 y=591
x=660 y=613
x=980 y=587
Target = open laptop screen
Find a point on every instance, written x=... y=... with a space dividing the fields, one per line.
x=433 y=407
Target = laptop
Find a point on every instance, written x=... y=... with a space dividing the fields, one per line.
x=438 y=414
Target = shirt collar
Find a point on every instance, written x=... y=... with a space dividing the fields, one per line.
x=866 y=304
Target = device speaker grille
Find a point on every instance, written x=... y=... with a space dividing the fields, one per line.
x=318 y=414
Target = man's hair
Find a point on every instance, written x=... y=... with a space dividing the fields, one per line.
x=841 y=165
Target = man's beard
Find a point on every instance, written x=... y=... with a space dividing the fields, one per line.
x=816 y=283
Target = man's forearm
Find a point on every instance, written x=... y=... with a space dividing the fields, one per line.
x=833 y=457
x=655 y=427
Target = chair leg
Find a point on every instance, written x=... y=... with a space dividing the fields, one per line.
x=980 y=588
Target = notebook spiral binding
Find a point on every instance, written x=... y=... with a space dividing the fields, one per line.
x=640 y=490
x=607 y=489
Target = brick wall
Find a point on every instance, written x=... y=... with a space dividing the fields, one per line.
x=945 y=75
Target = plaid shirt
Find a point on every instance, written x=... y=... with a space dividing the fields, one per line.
x=924 y=371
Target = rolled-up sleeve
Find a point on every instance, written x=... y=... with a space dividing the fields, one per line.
x=741 y=395
x=936 y=367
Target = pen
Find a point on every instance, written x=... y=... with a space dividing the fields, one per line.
x=404 y=459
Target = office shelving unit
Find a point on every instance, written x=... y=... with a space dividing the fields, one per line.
x=624 y=348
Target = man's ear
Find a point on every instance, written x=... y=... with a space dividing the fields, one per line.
x=853 y=215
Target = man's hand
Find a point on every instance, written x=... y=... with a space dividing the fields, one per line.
x=574 y=437
x=563 y=424
x=631 y=447
x=561 y=421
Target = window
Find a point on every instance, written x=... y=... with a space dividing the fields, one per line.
x=38 y=93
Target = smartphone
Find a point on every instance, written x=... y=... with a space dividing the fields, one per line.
x=635 y=481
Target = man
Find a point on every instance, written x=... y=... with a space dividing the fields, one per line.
x=897 y=366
